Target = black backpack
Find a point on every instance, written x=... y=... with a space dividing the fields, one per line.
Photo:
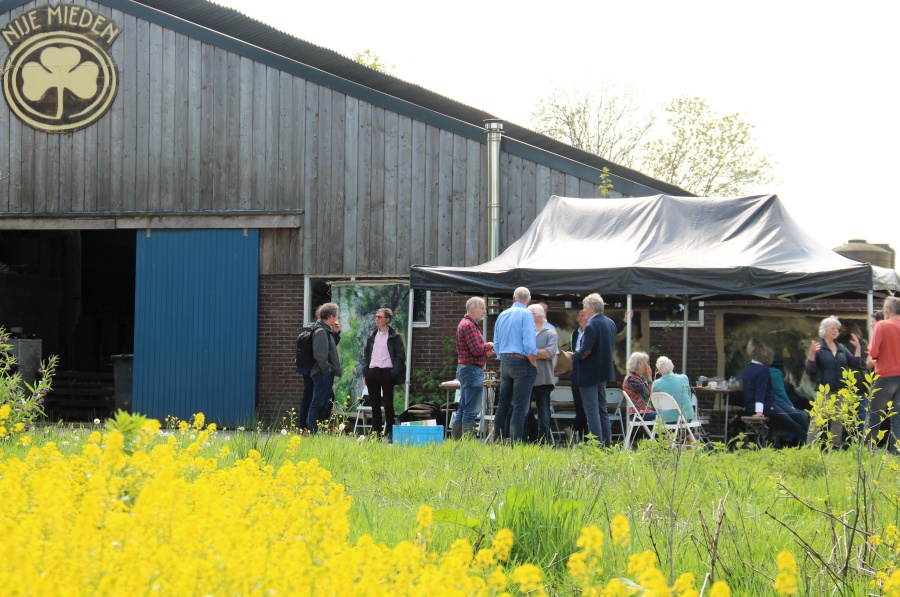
x=304 y=357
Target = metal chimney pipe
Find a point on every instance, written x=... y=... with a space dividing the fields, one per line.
x=494 y=130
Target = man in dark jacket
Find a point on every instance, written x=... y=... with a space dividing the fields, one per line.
x=384 y=364
x=326 y=368
x=308 y=385
x=594 y=357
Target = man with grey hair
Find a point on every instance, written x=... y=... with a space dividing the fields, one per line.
x=596 y=367
x=327 y=365
x=885 y=350
x=515 y=341
x=472 y=352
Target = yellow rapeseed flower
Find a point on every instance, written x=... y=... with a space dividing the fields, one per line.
x=529 y=579
x=4 y=412
x=786 y=580
x=620 y=531
x=502 y=544
x=720 y=588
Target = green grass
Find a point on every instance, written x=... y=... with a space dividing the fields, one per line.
x=726 y=513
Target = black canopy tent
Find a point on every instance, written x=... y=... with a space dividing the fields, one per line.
x=662 y=245
x=692 y=248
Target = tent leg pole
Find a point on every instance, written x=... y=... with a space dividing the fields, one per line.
x=684 y=337
x=627 y=329
x=870 y=305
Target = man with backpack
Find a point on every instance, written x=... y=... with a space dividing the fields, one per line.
x=305 y=361
x=326 y=365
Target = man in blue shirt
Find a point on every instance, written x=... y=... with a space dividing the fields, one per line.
x=514 y=342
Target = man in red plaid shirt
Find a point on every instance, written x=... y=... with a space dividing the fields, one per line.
x=473 y=352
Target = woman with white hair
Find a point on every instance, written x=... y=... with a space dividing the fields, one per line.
x=677 y=386
x=827 y=360
x=546 y=342
x=637 y=385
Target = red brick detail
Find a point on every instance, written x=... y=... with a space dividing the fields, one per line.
x=278 y=386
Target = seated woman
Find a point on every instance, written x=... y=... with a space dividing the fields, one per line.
x=637 y=385
x=759 y=397
x=783 y=402
x=677 y=386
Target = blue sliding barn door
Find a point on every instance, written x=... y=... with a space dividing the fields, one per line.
x=196 y=303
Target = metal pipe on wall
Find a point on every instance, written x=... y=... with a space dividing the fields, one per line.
x=494 y=130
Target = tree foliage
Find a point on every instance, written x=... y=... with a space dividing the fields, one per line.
x=707 y=154
x=700 y=151
x=373 y=60
x=604 y=119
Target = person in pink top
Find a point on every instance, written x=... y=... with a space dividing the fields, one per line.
x=885 y=350
x=384 y=363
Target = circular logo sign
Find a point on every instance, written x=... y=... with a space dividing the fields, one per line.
x=59 y=81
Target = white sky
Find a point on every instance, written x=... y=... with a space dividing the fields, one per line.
x=816 y=78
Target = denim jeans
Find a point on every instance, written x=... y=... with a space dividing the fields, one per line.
x=888 y=391
x=792 y=421
x=542 y=403
x=516 y=381
x=306 y=401
x=320 y=409
x=471 y=392
x=594 y=400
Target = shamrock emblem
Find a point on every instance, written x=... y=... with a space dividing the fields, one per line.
x=60 y=68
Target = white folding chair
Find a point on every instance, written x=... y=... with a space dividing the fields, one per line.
x=633 y=420
x=562 y=407
x=614 y=399
x=662 y=401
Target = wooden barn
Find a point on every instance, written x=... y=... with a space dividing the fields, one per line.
x=180 y=182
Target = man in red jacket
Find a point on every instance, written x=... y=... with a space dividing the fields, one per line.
x=885 y=350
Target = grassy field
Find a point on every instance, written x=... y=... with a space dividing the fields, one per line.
x=718 y=515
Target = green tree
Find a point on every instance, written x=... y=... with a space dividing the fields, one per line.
x=707 y=154
x=603 y=118
x=373 y=60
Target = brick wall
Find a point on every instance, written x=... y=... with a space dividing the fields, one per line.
x=278 y=387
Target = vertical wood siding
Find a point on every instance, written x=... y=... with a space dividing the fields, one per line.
x=196 y=303
x=195 y=127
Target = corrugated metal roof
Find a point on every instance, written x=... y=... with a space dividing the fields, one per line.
x=235 y=24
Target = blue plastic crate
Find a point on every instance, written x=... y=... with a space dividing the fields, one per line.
x=414 y=435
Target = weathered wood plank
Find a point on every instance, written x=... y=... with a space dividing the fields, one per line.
x=432 y=194
x=445 y=198
x=195 y=126
x=324 y=214
x=483 y=248
x=166 y=125
x=364 y=184
x=245 y=148
x=285 y=177
x=310 y=184
x=375 y=249
x=505 y=238
x=458 y=202
x=542 y=185
x=514 y=209
x=37 y=150
x=154 y=132
x=531 y=203
x=232 y=132
x=179 y=185
x=273 y=109
x=351 y=184
x=389 y=225
x=116 y=114
x=208 y=127
x=53 y=173
x=404 y=196
x=260 y=117
x=338 y=129
x=91 y=168
x=418 y=221
x=298 y=148
x=126 y=103
x=219 y=132
x=572 y=185
x=142 y=113
x=475 y=208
